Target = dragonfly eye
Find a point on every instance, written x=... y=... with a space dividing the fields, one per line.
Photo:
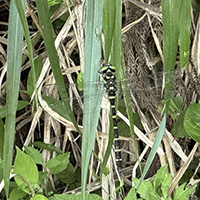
x=107 y=67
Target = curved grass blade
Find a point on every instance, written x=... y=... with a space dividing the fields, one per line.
x=14 y=58
x=44 y=17
x=155 y=146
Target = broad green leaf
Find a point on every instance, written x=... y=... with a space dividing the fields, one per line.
x=49 y=147
x=14 y=59
x=34 y=154
x=16 y=194
x=192 y=121
x=26 y=171
x=39 y=197
x=92 y=56
x=21 y=104
x=58 y=163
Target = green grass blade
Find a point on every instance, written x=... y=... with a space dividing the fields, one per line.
x=14 y=57
x=109 y=19
x=184 y=33
x=92 y=55
x=24 y=22
x=154 y=148
x=44 y=17
x=171 y=13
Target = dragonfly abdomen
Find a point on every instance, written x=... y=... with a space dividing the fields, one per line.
x=108 y=74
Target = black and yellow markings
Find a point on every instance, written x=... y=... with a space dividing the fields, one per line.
x=107 y=71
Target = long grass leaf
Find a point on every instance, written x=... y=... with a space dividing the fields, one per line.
x=109 y=19
x=92 y=55
x=14 y=58
x=184 y=33
x=24 y=22
x=171 y=13
x=44 y=17
x=155 y=146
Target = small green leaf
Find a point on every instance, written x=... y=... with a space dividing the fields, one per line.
x=16 y=194
x=26 y=170
x=42 y=177
x=21 y=104
x=39 y=197
x=58 y=163
x=192 y=121
x=166 y=184
x=67 y=175
x=80 y=81
x=159 y=178
x=178 y=129
x=175 y=106
x=34 y=154
x=131 y=195
x=183 y=194
x=58 y=106
x=146 y=188
x=76 y=197
x=48 y=147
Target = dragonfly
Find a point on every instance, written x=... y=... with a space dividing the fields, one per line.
x=144 y=87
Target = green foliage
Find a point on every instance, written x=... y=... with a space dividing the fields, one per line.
x=17 y=193
x=192 y=122
x=20 y=104
x=14 y=59
x=182 y=193
x=58 y=163
x=29 y=180
x=26 y=172
x=48 y=147
x=45 y=22
x=75 y=197
x=175 y=13
x=34 y=154
x=39 y=197
x=54 y=2
x=92 y=56
x=154 y=148
x=159 y=188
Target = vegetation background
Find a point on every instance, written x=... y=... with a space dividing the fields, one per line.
x=44 y=48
